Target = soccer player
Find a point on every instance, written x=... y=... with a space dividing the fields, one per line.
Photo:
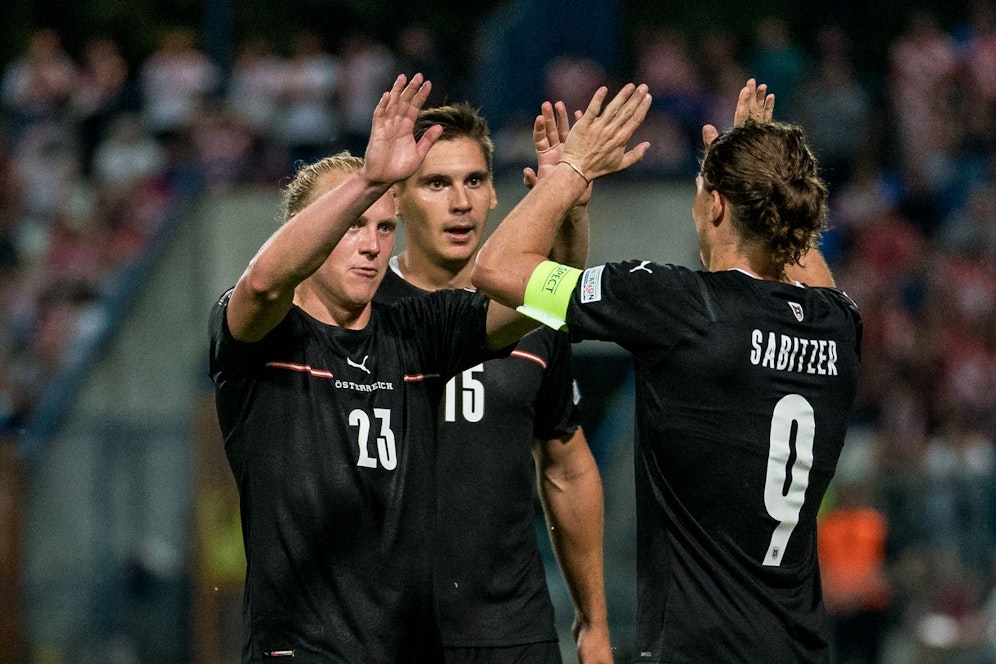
x=497 y=417
x=745 y=377
x=327 y=408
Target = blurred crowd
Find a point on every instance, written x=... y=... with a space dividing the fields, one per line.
x=93 y=152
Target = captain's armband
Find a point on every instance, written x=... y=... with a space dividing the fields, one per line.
x=548 y=293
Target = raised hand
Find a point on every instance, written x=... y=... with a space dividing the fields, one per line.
x=392 y=153
x=753 y=103
x=550 y=130
x=596 y=145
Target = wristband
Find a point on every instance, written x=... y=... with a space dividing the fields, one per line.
x=576 y=170
x=548 y=293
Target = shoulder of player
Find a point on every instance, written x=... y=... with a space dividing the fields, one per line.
x=635 y=274
x=544 y=342
x=295 y=322
x=393 y=288
x=431 y=304
x=837 y=298
x=836 y=295
x=638 y=266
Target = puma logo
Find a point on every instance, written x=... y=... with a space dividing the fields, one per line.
x=642 y=266
x=360 y=365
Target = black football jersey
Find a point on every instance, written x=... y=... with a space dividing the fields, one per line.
x=743 y=392
x=489 y=574
x=330 y=433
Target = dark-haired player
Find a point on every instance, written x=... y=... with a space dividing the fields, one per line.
x=505 y=426
x=745 y=377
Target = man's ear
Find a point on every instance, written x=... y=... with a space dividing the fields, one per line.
x=717 y=206
x=494 y=198
x=396 y=197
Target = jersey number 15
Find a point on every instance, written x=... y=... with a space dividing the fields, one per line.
x=471 y=392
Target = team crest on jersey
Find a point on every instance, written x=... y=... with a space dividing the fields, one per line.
x=797 y=310
x=591 y=284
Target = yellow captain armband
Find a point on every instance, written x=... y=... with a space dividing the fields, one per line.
x=548 y=293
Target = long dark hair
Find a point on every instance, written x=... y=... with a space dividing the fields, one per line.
x=771 y=178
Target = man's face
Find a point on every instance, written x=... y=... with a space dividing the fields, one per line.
x=445 y=204
x=355 y=268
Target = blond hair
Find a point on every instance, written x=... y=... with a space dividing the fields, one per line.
x=300 y=191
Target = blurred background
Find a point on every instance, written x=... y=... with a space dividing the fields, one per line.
x=142 y=148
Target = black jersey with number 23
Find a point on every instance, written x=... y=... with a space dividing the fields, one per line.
x=330 y=433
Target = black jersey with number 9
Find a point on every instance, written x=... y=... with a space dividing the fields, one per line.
x=743 y=392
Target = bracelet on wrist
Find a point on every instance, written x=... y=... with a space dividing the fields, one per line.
x=576 y=170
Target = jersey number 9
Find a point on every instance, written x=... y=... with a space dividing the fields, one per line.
x=785 y=493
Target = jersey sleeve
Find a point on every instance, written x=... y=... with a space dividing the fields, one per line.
x=226 y=353
x=634 y=303
x=850 y=307
x=557 y=406
x=450 y=326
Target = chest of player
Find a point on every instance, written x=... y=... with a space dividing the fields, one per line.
x=496 y=391
x=341 y=459
x=348 y=415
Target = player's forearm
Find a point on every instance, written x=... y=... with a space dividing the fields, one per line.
x=570 y=247
x=264 y=292
x=578 y=548
x=812 y=270
x=574 y=512
x=526 y=236
x=302 y=244
x=505 y=326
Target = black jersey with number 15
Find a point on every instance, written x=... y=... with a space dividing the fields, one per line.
x=489 y=576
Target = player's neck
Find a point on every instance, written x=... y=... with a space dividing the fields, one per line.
x=331 y=311
x=754 y=261
x=418 y=270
